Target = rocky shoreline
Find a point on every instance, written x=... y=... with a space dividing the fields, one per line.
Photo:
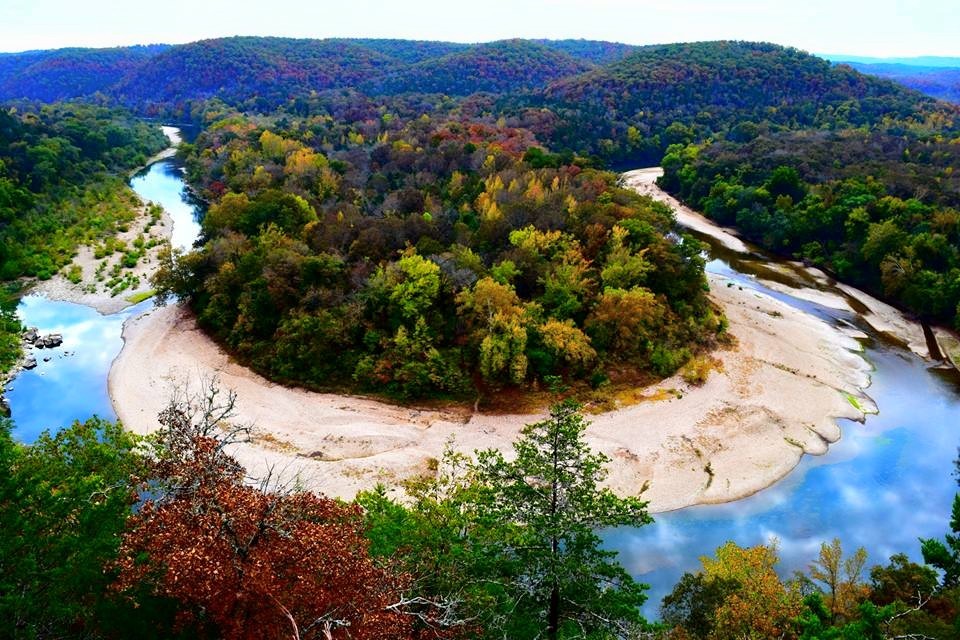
x=30 y=339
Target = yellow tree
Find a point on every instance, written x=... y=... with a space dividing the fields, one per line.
x=762 y=607
x=842 y=577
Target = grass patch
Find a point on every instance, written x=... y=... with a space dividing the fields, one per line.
x=696 y=371
x=140 y=297
x=854 y=402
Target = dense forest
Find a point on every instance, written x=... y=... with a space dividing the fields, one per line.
x=630 y=111
x=65 y=74
x=877 y=210
x=432 y=256
x=60 y=184
x=109 y=535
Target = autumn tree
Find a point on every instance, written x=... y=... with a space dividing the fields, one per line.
x=254 y=562
x=63 y=503
x=842 y=578
x=762 y=607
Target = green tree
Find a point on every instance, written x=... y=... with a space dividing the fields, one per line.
x=692 y=604
x=551 y=491
x=63 y=504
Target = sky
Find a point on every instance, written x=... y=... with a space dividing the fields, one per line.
x=882 y=28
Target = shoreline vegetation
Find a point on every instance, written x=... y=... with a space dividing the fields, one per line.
x=151 y=223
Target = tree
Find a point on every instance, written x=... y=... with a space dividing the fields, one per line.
x=842 y=578
x=63 y=503
x=551 y=492
x=762 y=607
x=693 y=603
x=254 y=562
x=514 y=545
x=901 y=581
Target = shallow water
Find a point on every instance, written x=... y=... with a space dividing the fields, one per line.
x=72 y=385
x=162 y=182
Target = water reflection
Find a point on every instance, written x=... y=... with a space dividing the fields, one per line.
x=162 y=182
x=70 y=381
x=885 y=484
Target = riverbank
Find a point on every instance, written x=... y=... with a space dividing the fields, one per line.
x=882 y=317
x=747 y=427
x=92 y=288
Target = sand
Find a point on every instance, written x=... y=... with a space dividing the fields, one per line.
x=748 y=426
x=643 y=181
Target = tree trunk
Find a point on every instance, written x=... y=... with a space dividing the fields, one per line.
x=553 y=616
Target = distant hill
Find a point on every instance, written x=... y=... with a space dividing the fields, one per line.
x=409 y=51
x=938 y=81
x=68 y=73
x=498 y=67
x=616 y=101
x=595 y=51
x=632 y=109
x=260 y=71
x=918 y=61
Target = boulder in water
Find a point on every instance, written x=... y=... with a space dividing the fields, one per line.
x=29 y=362
x=52 y=340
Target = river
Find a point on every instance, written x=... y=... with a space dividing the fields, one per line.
x=886 y=483
x=883 y=485
x=70 y=382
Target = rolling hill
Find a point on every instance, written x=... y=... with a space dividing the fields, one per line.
x=68 y=73
x=496 y=67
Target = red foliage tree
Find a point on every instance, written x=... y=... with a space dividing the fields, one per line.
x=254 y=563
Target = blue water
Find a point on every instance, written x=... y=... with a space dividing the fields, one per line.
x=162 y=182
x=72 y=385
x=885 y=484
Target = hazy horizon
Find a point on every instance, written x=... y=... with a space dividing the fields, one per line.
x=879 y=29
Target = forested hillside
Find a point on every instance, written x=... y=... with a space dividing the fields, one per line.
x=58 y=181
x=258 y=72
x=876 y=209
x=497 y=67
x=63 y=74
x=631 y=110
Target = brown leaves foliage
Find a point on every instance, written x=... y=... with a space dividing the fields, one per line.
x=251 y=562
